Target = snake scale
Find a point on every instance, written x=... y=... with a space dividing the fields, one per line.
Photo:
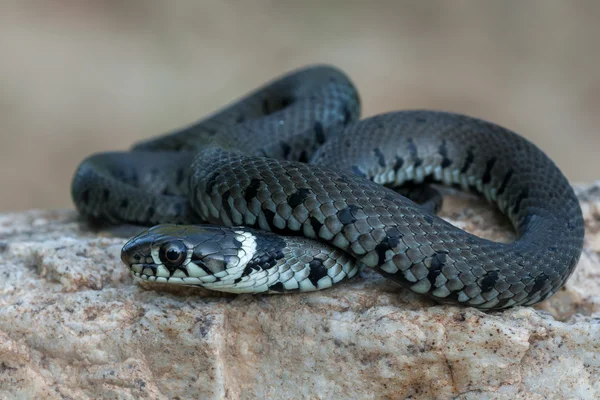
x=296 y=193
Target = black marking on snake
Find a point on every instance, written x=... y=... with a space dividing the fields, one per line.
x=105 y=195
x=198 y=261
x=446 y=162
x=398 y=163
x=468 y=161
x=240 y=119
x=502 y=302
x=319 y=133
x=388 y=243
x=489 y=281
x=504 y=183
x=315 y=224
x=347 y=143
x=420 y=120
x=298 y=197
x=346 y=216
x=453 y=297
x=357 y=171
x=522 y=196
x=303 y=157
x=266 y=259
x=226 y=206
x=286 y=101
x=211 y=181
x=277 y=287
x=180 y=176
x=540 y=282
x=252 y=190
x=286 y=149
x=248 y=270
x=438 y=260
x=317 y=271
x=275 y=247
x=487 y=175
x=269 y=217
x=414 y=153
x=236 y=243
x=152 y=267
x=380 y=157
x=125 y=203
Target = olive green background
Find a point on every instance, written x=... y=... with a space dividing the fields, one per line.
x=78 y=77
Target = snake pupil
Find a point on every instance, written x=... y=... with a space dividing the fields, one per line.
x=173 y=254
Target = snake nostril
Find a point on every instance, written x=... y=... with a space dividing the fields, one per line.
x=129 y=259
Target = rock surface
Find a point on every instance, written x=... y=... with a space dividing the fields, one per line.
x=74 y=324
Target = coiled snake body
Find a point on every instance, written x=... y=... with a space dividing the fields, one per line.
x=292 y=159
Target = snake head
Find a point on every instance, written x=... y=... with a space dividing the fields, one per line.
x=157 y=252
x=196 y=255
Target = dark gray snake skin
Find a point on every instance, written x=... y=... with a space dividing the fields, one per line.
x=291 y=158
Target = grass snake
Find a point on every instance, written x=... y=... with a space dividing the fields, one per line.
x=287 y=190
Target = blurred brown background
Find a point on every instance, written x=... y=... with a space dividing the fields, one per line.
x=80 y=77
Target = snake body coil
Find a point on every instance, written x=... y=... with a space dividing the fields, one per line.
x=292 y=159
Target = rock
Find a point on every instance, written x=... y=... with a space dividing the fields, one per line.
x=75 y=324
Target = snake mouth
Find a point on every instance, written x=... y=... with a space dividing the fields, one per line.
x=159 y=273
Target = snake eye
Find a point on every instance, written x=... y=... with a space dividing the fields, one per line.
x=173 y=254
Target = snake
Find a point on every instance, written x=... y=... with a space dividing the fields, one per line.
x=287 y=189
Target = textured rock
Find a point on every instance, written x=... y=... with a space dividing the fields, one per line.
x=75 y=324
